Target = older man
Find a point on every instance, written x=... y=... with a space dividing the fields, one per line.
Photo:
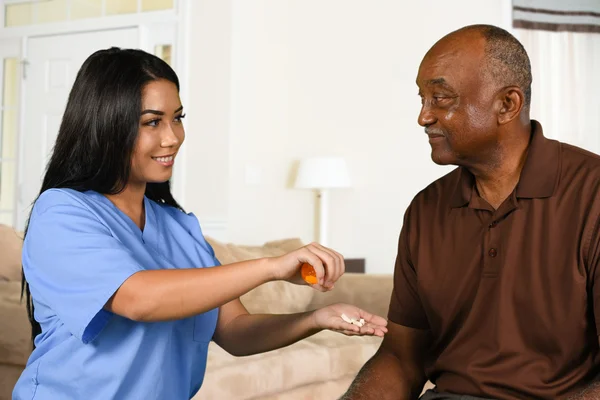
x=497 y=283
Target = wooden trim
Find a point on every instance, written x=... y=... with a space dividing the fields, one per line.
x=355 y=265
x=556 y=12
x=546 y=26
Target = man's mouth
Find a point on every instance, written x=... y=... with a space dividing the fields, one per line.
x=434 y=135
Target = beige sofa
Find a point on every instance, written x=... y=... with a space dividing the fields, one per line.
x=320 y=367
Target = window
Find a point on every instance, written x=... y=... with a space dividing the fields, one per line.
x=31 y=12
x=163 y=51
x=154 y=5
x=114 y=7
x=81 y=9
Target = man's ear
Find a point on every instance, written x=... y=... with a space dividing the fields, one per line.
x=512 y=101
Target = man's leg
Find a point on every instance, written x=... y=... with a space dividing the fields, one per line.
x=431 y=394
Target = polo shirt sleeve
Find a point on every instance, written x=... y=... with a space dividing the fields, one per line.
x=594 y=271
x=406 y=308
x=73 y=264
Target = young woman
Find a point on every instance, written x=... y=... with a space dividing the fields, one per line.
x=124 y=292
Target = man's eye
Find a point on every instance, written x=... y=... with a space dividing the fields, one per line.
x=442 y=99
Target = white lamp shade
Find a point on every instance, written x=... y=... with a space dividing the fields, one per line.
x=322 y=173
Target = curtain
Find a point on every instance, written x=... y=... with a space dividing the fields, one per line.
x=557 y=15
x=566 y=84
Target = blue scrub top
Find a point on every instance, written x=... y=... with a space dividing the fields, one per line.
x=79 y=249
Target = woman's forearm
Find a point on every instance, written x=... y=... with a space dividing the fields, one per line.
x=256 y=333
x=169 y=294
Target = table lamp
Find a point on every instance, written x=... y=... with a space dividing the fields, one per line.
x=322 y=174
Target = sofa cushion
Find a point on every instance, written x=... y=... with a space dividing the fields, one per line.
x=9 y=375
x=278 y=297
x=10 y=263
x=15 y=331
x=267 y=298
x=228 y=253
x=347 y=354
x=322 y=357
x=368 y=291
x=324 y=390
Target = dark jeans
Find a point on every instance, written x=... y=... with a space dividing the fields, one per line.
x=433 y=395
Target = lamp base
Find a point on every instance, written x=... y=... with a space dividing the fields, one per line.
x=323 y=196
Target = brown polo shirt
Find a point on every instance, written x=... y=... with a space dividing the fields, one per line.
x=511 y=296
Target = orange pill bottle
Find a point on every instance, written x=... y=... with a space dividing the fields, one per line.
x=308 y=274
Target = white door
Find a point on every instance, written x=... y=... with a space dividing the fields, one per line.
x=52 y=65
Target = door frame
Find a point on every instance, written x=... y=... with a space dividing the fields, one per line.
x=174 y=25
x=12 y=48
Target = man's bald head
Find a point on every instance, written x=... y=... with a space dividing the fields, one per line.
x=475 y=89
x=505 y=59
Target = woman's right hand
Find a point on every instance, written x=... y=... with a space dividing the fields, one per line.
x=328 y=265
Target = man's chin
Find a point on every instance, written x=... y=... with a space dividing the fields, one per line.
x=441 y=159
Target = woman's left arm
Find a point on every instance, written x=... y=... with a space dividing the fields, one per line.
x=243 y=334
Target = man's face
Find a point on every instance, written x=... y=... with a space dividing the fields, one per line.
x=457 y=100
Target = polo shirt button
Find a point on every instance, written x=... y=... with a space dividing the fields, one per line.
x=492 y=252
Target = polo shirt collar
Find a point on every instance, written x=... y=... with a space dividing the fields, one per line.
x=538 y=177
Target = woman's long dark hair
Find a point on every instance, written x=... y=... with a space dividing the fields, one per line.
x=98 y=131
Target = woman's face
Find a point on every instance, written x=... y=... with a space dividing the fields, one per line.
x=160 y=134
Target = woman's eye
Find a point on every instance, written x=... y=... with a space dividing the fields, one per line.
x=179 y=117
x=153 y=122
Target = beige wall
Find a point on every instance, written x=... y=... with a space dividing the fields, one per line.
x=273 y=81
x=208 y=112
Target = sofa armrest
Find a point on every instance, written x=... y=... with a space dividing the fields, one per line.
x=368 y=291
x=15 y=331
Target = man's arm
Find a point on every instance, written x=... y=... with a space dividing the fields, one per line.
x=591 y=392
x=397 y=370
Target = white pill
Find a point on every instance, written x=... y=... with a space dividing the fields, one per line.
x=345 y=318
